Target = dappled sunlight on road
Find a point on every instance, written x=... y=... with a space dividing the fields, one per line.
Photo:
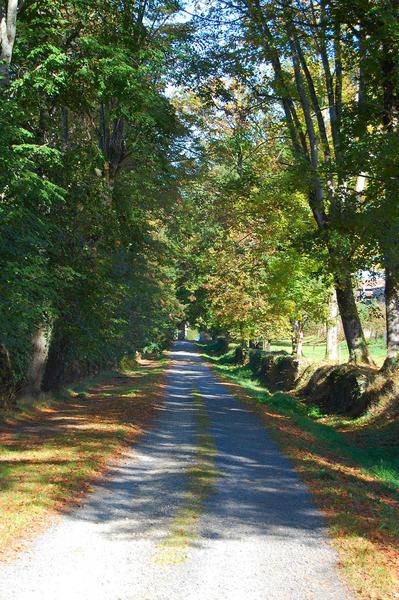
x=254 y=534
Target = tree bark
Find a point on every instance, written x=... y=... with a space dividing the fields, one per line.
x=299 y=352
x=297 y=339
x=7 y=386
x=391 y=362
x=58 y=365
x=266 y=345
x=332 y=328
x=35 y=373
x=390 y=77
x=8 y=29
x=357 y=346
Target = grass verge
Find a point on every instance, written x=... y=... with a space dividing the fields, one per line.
x=50 y=455
x=354 y=482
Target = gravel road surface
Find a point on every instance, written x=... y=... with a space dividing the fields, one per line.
x=255 y=532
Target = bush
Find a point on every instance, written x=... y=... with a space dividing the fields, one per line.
x=340 y=389
x=241 y=355
x=219 y=347
x=279 y=370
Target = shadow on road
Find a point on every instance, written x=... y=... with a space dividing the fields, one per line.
x=257 y=493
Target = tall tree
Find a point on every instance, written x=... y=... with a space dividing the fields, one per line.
x=372 y=45
x=251 y=280
x=302 y=45
x=88 y=182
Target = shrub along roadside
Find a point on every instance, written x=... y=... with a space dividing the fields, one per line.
x=50 y=456
x=354 y=479
x=336 y=388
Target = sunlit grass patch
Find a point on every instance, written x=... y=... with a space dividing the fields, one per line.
x=50 y=455
x=314 y=348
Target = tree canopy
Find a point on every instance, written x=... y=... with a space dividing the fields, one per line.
x=226 y=163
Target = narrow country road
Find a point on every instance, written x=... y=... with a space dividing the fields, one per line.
x=204 y=508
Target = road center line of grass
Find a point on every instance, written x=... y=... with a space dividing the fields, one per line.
x=201 y=478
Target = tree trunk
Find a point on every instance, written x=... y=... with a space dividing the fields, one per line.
x=7 y=387
x=332 y=328
x=57 y=361
x=357 y=347
x=392 y=318
x=266 y=345
x=297 y=339
x=4 y=75
x=37 y=366
x=390 y=75
x=293 y=344
x=8 y=28
x=299 y=351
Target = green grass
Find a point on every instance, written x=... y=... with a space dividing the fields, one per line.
x=192 y=334
x=315 y=349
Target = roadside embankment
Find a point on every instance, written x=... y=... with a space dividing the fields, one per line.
x=337 y=389
x=351 y=464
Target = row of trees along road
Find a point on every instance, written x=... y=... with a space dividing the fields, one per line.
x=284 y=115
x=88 y=177
x=328 y=73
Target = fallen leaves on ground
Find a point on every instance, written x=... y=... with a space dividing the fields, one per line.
x=51 y=456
